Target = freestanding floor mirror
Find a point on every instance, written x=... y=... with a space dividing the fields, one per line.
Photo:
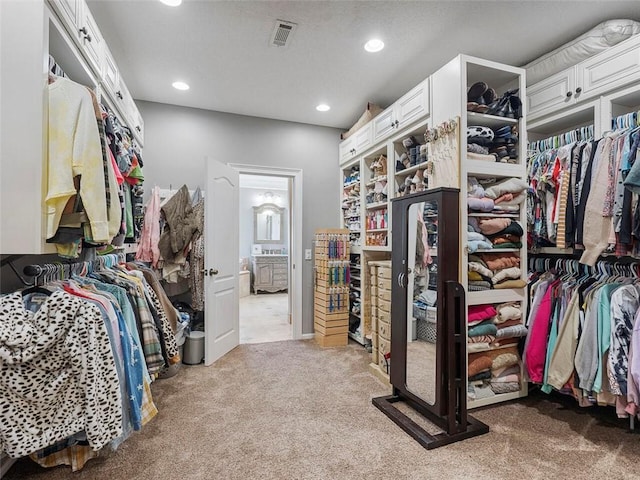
x=428 y=334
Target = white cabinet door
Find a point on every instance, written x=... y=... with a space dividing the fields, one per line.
x=611 y=69
x=125 y=103
x=383 y=125
x=347 y=149
x=138 y=126
x=110 y=73
x=362 y=139
x=412 y=106
x=70 y=12
x=91 y=40
x=551 y=94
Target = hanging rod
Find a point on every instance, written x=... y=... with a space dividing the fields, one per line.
x=65 y=269
x=9 y=261
x=555 y=141
x=628 y=120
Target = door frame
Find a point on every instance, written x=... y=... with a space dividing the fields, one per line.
x=296 y=253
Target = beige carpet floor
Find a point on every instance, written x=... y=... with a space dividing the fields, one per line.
x=291 y=410
x=265 y=318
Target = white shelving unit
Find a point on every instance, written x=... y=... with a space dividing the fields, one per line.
x=382 y=137
x=352 y=211
x=377 y=193
x=449 y=100
x=355 y=299
x=37 y=29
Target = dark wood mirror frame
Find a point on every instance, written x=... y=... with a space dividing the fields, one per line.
x=449 y=410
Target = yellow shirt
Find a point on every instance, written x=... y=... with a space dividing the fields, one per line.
x=74 y=149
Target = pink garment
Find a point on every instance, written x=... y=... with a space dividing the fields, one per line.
x=510 y=199
x=536 y=351
x=148 y=250
x=478 y=313
x=73 y=289
x=426 y=257
x=507 y=197
x=116 y=170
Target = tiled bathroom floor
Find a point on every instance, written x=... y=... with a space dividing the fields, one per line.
x=264 y=318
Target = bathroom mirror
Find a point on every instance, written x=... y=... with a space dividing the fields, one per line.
x=268 y=224
x=422 y=294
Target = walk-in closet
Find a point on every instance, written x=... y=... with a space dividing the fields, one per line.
x=319 y=239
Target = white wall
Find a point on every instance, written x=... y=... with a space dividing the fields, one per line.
x=177 y=139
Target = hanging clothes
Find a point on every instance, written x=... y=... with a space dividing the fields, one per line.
x=74 y=150
x=581 y=333
x=148 y=248
x=196 y=260
x=96 y=391
x=79 y=389
x=581 y=194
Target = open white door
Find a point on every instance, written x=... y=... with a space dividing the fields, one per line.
x=221 y=325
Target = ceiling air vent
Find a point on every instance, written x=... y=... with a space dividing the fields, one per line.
x=282 y=33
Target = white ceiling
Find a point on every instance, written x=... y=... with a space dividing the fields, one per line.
x=221 y=48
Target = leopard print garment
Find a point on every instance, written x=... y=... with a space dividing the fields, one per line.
x=57 y=375
x=166 y=331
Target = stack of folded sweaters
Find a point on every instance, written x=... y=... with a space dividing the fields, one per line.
x=497 y=270
x=493 y=233
x=490 y=326
x=493 y=370
x=490 y=196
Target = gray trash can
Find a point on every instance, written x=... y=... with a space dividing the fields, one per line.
x=194 y=348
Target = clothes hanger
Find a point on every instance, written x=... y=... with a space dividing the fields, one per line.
x=37 y=287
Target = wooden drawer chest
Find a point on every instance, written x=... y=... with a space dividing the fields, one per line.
x=270 y=273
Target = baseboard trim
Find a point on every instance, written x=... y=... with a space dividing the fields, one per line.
x=308 y=336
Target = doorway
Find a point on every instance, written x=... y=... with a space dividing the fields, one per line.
x=267 y=246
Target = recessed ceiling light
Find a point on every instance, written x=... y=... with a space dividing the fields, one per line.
x=323 y=107
x=172 y=3
x=374 y=45
x=180 y=86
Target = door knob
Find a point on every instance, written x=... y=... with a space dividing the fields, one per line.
x=205 y=272
x=213 y=271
